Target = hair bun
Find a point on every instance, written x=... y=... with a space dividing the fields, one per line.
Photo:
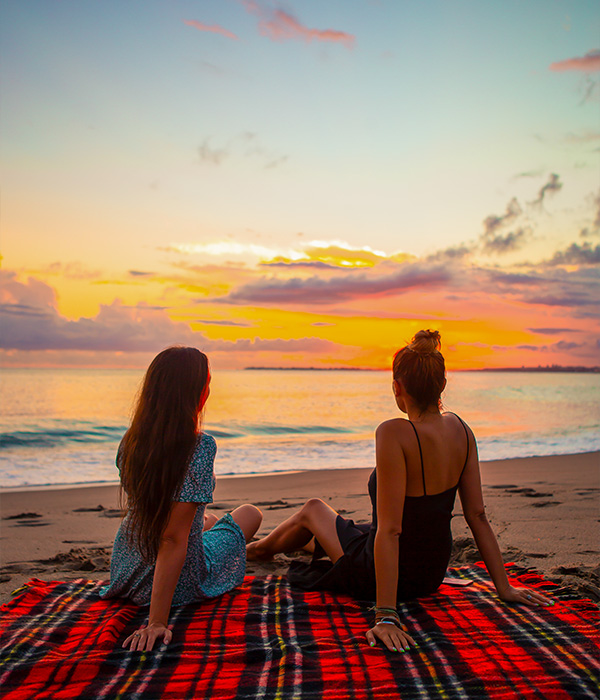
x=426 y=342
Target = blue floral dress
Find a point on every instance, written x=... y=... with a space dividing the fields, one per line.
x=215 y=561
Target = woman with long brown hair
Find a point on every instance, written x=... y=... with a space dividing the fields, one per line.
x=404 y=552
x=168 y=551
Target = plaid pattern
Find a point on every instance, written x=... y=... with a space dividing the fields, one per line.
x=267 y=641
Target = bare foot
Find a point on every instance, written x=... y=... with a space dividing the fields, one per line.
x=255 y=552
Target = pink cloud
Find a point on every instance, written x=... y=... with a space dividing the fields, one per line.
x=590 y=63
x=352 y=285
x=283 y=25
x=214 y=28
x=280 y=25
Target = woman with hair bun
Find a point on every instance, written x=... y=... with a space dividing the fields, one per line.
x=421 y=462
x=168 y=551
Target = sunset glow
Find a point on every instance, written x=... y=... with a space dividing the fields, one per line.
x=300 y=184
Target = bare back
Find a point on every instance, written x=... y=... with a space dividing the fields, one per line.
x=438 y=464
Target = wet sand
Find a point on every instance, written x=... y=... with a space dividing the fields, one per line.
x=544 y=510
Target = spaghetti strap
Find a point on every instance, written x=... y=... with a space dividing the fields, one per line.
x=421 y=454
x=467 y=436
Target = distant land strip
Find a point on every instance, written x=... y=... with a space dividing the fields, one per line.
x=539 y=368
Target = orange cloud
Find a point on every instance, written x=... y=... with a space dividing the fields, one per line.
x=213 y=28
x=590 y=63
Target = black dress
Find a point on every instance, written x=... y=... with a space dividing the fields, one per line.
x=425 y=545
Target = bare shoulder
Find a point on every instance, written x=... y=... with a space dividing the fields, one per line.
x=454 y=417
x=393 y=428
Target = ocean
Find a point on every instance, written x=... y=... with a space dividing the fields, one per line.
x=62 y=426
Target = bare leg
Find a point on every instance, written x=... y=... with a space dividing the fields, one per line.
x=314 y=519
x=249 y=518
x=209 y=520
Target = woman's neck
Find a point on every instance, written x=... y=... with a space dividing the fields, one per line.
x=416 y=415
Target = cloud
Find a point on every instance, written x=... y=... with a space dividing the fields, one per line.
x=577 y=290
x=300 y=265
x=247 y=145
x=590 y=63
x=528 y=173
x=214 y=28
x=30 y=321
x=283 y=25
x=597 y=218
x=499 y=244
x=240 y=324
x=279 y=25
x=576 y=254
x=71 y=270
x=583 y=137
x=560 y=346
x=590 y=89
x=553 y=331
x=139 y=273
x=493 y=222
x=233 y=248
x=512 y=279
x=332 y=255
x=351 y=285
x=551 y=187
x=207 y=154
x=337 y=254
x=564 y=345
x=454 y=253
x=277 y=345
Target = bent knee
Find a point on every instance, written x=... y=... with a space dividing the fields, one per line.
x=312 y=508
x=249 y=518
x=251 y=511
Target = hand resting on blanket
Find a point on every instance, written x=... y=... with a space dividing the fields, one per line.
x=144 y=638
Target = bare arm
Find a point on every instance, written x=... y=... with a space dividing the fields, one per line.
x=169 y=562
x=471 y=497
x=391 y=491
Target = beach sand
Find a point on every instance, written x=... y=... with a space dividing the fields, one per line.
x=544 y=510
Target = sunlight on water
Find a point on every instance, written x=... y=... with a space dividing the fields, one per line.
x=63 y=426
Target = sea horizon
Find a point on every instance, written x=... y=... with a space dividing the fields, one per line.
x=63 y=426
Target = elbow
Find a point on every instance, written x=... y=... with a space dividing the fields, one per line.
x=173 y=542
x=477 y=519
x=389 y=531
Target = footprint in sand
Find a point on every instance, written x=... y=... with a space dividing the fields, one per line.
x=81 y=559
x=277 y=505
x=543 y=504
x=89 y=510
x=529 y=492
x=26 y=520
x=79 y=541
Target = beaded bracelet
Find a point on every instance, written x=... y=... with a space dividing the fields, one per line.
x=388 y=621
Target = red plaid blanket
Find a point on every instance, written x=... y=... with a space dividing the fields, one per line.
x=267 y=640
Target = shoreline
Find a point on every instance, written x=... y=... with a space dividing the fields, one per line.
x=6 y=490
x=544 y=511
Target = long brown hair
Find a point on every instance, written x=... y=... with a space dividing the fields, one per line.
x=421 y=368
x=155 y=451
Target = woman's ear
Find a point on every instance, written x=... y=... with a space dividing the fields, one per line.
x=443 y=385
x=396 y=388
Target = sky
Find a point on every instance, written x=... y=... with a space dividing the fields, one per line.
x=299 y=183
